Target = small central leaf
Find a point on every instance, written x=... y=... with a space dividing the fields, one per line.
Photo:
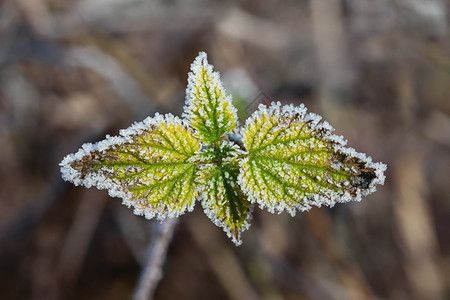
x=222 y=198
x=209 y=110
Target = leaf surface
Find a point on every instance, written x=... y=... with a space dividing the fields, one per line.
x=295 y=161
x=209 y=109
x=222 y=198
x=147 y=166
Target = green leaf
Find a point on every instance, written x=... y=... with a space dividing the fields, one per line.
x=222 y=198
x=295 y=162
x=209 y=109
x=147 y=166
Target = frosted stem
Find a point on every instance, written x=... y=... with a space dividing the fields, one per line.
x=152 y=272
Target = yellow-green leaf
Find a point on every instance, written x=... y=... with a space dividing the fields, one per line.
x=295 y=162
x=147 y=166
x=209 y=109
x=222 y=198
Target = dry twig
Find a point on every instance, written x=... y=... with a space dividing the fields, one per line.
x=152 y=272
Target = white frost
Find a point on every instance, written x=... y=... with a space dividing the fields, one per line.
x=201 y=88
x=260 y=189
x=102 y=181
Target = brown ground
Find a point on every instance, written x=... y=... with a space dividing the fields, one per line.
x=74 y=71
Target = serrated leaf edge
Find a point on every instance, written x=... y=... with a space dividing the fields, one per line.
x=201 y=61
x=212 y=215
x=102 y=182
x=313 y=121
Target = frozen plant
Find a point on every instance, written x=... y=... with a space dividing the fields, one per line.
x=283 y=159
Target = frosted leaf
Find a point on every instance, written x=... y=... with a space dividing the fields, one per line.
x=223 y=200
x=208 y=108
x=295 y=161
x=147 y=166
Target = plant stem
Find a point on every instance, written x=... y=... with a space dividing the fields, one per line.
x=152 y=272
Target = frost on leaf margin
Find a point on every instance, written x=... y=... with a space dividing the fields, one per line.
x=222 y=198
x=295 y=161
x=208 y=108
x=147 y=166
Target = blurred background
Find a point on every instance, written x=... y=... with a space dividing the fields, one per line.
x=377 y=70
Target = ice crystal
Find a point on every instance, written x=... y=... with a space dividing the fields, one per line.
x=283 y=159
